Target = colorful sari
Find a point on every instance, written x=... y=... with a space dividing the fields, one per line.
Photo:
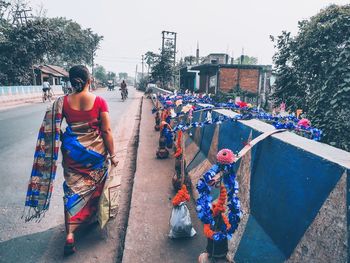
x=84 y=163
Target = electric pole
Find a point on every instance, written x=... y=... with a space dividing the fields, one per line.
x=135 y=77
x=20 y=16
x=169 y=40
x=142 y=66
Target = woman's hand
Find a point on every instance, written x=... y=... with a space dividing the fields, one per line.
x=114 y=161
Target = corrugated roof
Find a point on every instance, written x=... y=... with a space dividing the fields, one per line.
x=48 y=70
x=59 y=70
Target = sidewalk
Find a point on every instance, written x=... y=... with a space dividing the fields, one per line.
x=148 y=227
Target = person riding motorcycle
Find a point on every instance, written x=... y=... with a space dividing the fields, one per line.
x=123 y=88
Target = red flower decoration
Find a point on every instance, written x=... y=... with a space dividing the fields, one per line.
x=218 y=208
x=178 y=145
x=181 y=196
x=225 y=156
x=305 y=123
x=241 y=104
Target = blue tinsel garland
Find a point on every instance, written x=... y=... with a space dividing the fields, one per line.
x=204 y=201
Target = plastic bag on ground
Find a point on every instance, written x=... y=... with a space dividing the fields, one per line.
x=180 y=222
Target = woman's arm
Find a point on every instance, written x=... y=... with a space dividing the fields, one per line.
x=108 y=136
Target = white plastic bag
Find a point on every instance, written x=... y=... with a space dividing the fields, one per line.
x=180 y=222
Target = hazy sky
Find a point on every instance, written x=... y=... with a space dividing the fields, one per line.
x=131 y=28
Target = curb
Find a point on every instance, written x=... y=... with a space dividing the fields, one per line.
x=118 y=228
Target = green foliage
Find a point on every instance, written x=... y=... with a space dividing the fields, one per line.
x=123 y=75
x=246 y=60
x=142 y=85
x=313 y=72
x=23 y=47
x=224 y=97
x=189 y=60
x=162 y=65
x=41 y=40
x=111 y=75
x=150 y=58
x=100 y=74
x=77 y=45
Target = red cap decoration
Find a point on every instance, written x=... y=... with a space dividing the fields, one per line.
x=225 y=156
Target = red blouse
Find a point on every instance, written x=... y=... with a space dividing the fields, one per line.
x=71 y=115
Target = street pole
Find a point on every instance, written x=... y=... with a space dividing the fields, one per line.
x=135 y=77
x=142 y=66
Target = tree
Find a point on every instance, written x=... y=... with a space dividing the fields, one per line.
x=313 y=72
x=24 y=46
x=246 y=60
x=111 y=75
x=163 y=67
x=150 y=59
x=100 y=74
x=77 y=45
x=123 y=75
x=40 y=40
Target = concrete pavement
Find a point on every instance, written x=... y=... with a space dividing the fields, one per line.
x=148 y=227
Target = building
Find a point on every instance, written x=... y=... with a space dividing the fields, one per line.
x=55 y=75
x=217 y=58
x=252 y=82
x=189 y=79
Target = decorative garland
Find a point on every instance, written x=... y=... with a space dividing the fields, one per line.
x=166 y=131
x=181 y=196
x=290 y=123
x=225 y=165
x=245 y=111
x=178 y=151
x=218 y=208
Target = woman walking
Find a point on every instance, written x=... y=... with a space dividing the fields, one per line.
x=86 y=144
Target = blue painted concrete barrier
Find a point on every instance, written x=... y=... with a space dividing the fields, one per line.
x=294 y=192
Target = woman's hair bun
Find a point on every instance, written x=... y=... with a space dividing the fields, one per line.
x=78 y=84
x=79 y=77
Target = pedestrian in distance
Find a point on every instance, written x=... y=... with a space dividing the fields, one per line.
x=85 y=146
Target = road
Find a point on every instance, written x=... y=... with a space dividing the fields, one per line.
x=18 y=129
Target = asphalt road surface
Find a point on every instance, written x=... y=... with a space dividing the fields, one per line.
x=32 y=242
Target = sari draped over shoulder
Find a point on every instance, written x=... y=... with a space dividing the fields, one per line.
x=85 y=169
x=84 y=163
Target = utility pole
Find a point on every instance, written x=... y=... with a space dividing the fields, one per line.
x=135 y=82
x=197 y=54
x=142 y=65
x=170 y=37
x=20 y=16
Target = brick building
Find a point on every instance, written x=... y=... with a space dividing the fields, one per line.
x=253 y=80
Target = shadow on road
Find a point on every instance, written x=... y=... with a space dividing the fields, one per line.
x=47 y=246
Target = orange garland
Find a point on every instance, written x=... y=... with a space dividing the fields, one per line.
x=163 y=124
x=181 y=196
x=218 y=208
x=165 y=114
x=178 y=145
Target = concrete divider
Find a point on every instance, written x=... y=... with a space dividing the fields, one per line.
x=294 y=191
x=161 y=91
x=13 y=94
